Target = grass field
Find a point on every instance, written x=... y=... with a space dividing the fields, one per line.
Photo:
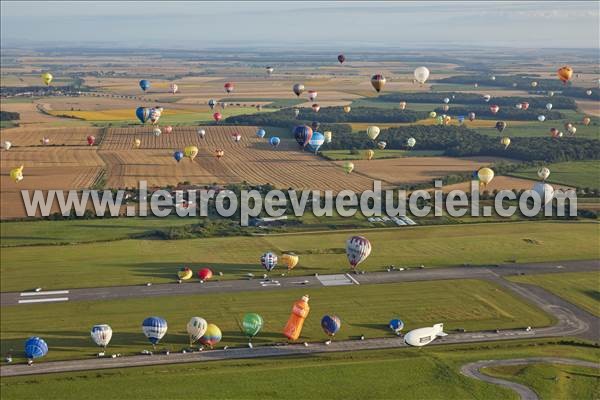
x=364 y=310
x=338 y=155
x=580 y=174
x=581 y=288
x=138 y=261
x=427 y=373
x=541 y=129
x=552 y=381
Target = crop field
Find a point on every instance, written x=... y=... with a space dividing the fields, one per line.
x=579 y=288
x=582 y=174
x=138 y=261
x=500 y=183
x=59 y=136
x=338 y=155
x=431 y=372
x=364 y=310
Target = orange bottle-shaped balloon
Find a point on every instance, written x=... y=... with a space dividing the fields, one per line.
x=299 y=313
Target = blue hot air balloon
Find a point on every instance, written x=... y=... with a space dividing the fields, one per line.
x=331 y=324
x=396 y=325
x=154 y=328
x=268 y=261
x=461 y=119
x=143 y=113
x=35 y=347
x=178 y=155
x=274 y=141
x=260 y=133
x=316 y=141
x=303 y=133
x=145 y=84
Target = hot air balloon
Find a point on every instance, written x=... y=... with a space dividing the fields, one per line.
x=156 y=132
x=219 y=153
x=485 y=175
x=471 y=116
x=251 y=325
x=550 y=93
x=440 y=119
x=402 y=105
x=421 y=74
x=519 y=106
x=201 y=133
x=568 y=125
x=315 y=107
x=588 y=92
x=564 y=74
x=35 y=347
x=302 y=134
x=191 y=152
x=328 y=135
x=145 y=84
x=545 y=191
x=373 y=132
x=196 y=328
x=269 y=70
x=432 y=114
x=534 y=84
x=331 y=324
x=47 y=78
x=236 y=137
x=486 y=97
x=268 y=261
x=155 y=113
x=101 y=334
x=7 y=145
x=290 y=260
x=447 y=119
x=493 y=77
x=381 y=145
x=217 y=116
x=378 y=82
x=315 y=125
x=348 y=167
x=586 y=121
x=554 y=132
x=541 y=118
x=543 y=173
x=369 y=154
x=525 y=105
x=178 y=155
x=228 y=87
x=312 y=95
x=212 y=104
x=274 y=141
x=341 y=58
x=298 y=89
x=155 y=329
x=476 y=85
x=173 y=88
x=205 y=274
x=461 y=119
x=358 y=249
x=260 y=133
x=16 y=174
x=211 y=336
x=500 y=126
x=494 y=108
x=142 y=113
x=137 y=143
x=91 y=140
x=184 y=273
x=446 y=100
x=347 y=109
x=296 y=112
x=411 y=142
x=168 y=129
x=505 y=141
x=396 y=325
x=572 y=130
x=315 y=142
x=549 y=106
x=223 y=105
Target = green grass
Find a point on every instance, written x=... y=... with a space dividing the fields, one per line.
x=553 y=381
x=580 y=288
x=542 y=129
x=138 y=261
x=8 y=124
x=580 y=174
x=379 y=154
x=273 y=103
x=426 y=373
x=365 y=309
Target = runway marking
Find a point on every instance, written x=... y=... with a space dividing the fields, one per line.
x=352 y=279
x=47 y=293
x=335 y=280
x=52 y=299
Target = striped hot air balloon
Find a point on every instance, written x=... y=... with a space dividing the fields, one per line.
x=268 y=261
x=154 y=328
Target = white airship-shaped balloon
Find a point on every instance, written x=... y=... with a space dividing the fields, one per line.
x=422 y=336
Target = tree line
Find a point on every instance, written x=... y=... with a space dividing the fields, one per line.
x=9 y=116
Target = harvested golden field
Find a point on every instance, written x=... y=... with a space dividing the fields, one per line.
x=25 y=136
x=589 y=107
x=500 y=183
x=31 y=117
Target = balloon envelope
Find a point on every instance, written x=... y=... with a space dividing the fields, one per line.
x=485 y=175
x=212 y=335
x=145 y=84
x=261 y=133
x=543 y=173
x=358 y=249
x=373 y=132
x=47 y=78
x=378 y=82
x=421 y=74
x=184 y=273
x=154 y=328
x=274 y=141
x=316 y=141
x=396 y=325
x=178 y=155
x=545 y=191
x=268 y=261
x=196 y=328
x=290 y=260
x=298 y=89
x=35 y=347
x=101 y=334
x=191 y=152
x=252 y=324
x=205 y=274
x=331 y=324
x=348 y=167
x=303 y=134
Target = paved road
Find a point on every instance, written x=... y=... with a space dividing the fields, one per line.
x=169 y=289
x=473 y=370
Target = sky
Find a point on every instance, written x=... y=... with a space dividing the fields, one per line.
x=308 y=24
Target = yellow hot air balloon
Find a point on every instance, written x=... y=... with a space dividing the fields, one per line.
x=16 y=174
x=348 y=167
x=191 y=152
x=565 y=73
x=432 y=114
x=137 y=143
x=505 y=141
x=485 y=175
x=369 y=154
x=347 y=109
x=290 y=260
x=328 y=136
x=47 y=78
x=185 y=273
x=373 y=132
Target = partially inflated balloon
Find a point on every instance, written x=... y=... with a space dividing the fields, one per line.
x=369 y=154
x=196 y=328
x=358 y=249
x=331 y=324
x=373 y=132
x=378 y=82
x=348 y=167
x=211 y=336
x=145 y=84
x=564 y=73
x=184 y=273
x=16 y=174
x=421 y=74
x=191 y=152
x=485 y=175
x=47 y=78
x=290 y=260
x=101 y=334
x=505 y=141
x=205 y=274
x=252 y=324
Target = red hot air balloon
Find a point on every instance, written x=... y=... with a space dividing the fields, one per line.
x=316 y=107
x=217 y=116
x=228 y=87
x=525 y=105
x=168 y=129
x=494 y=108
x=91 y=140
x=205 y=274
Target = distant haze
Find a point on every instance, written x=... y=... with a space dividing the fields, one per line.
x=317 y=25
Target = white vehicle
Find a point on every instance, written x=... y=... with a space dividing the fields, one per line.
x=422 y=336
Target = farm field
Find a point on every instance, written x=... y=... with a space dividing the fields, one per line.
x=431 y=372
x=364 y=310
x=500 y=183
x=581 y=174
x=339 y=155
x=138 y=261
x=578 y=288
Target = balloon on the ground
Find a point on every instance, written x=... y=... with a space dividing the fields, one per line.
x=274 y=141
x=331 y=324
x=300 y=311
x=47 y=78
x=485 y=175
x=348 y=166
x=196 y=328
x=373 y=132
x=205 y=274
x=421 y=74
x=378 y=82
x=101 y=334
x=543 y=173
x=145 y=84
x=268 y=261
x=154 y=328
x=251 y=324
x=358 y=249
x=16 y=174
x=184 y=273
x=211 y=336
x=261 y=133
x=290 y=260
x=396 y=325
x=35 y=347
